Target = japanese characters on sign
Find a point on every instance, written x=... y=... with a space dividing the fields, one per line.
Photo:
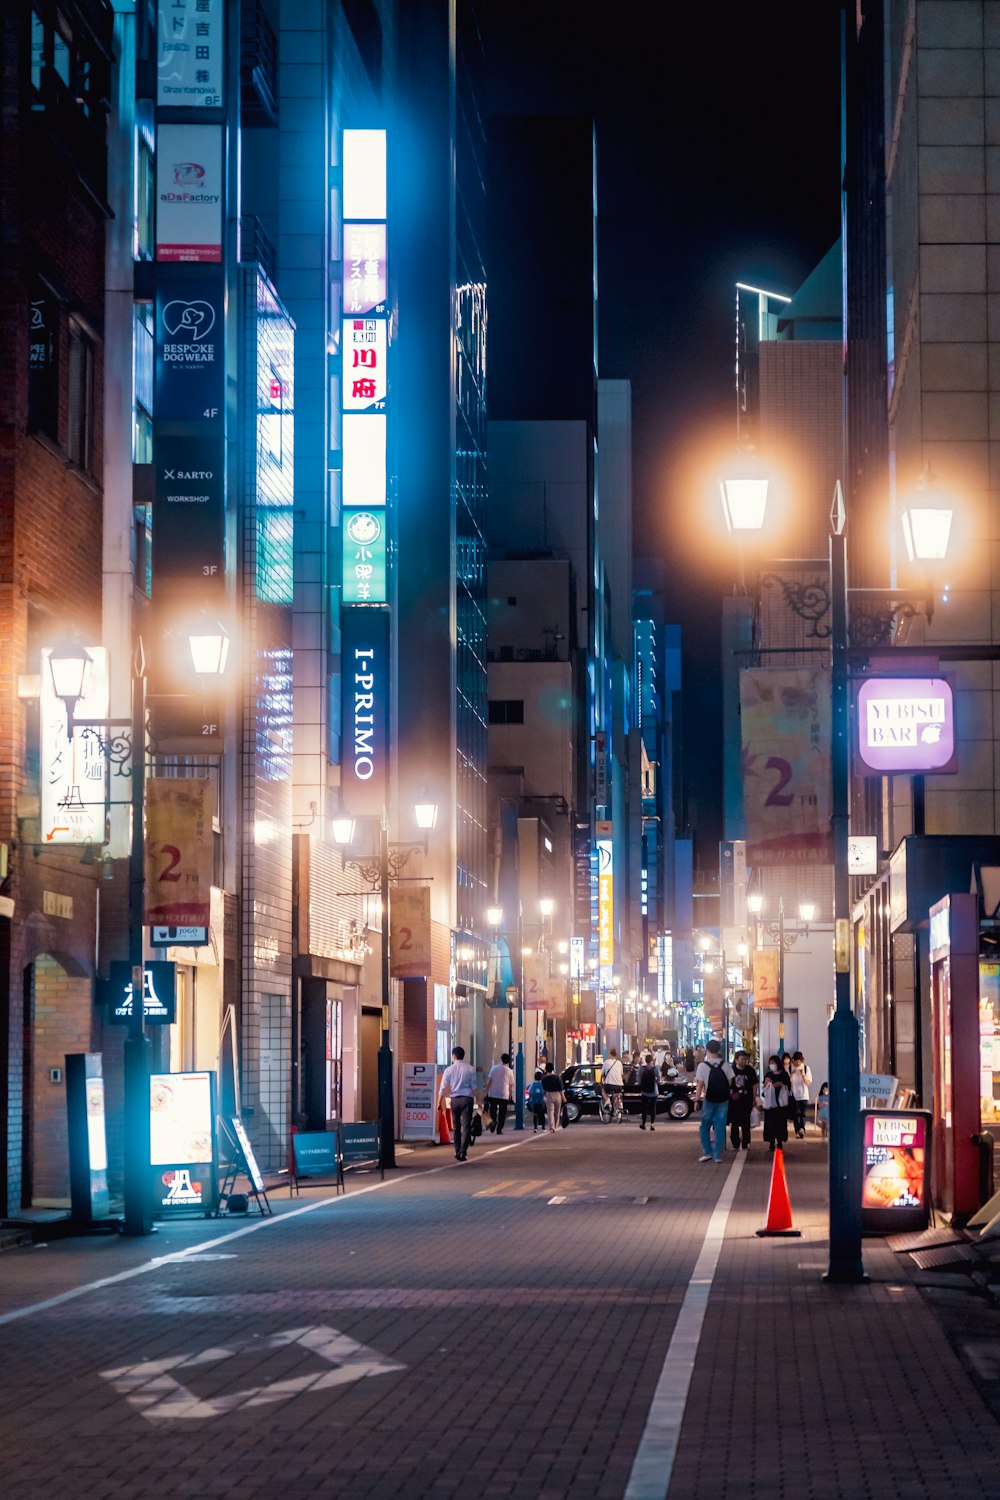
x=179 y=850
x=894 y=1182
x=73 y=770
x=605 y=896
x=182 y=1142
x=787 y=788
x=365 y=375
x=159 y=993
x=364 y=575
x=364 y=269
x=190 y=54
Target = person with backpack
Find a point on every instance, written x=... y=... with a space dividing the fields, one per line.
x=713 y=1082
x=536 y=1102
x=801 y=1077
x=648 y=1092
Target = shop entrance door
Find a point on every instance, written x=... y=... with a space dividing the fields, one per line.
x=371 y=1037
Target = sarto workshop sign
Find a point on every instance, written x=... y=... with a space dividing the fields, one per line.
x=906 y=724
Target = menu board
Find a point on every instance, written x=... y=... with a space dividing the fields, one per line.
x=894 y=1176
x=249 y=1160
x=182 y=1141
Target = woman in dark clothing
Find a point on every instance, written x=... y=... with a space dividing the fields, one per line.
x=647 y=1092
x=776 y=1093
x=742 y=1097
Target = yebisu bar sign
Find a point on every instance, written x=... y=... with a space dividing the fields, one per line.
x=906 y=724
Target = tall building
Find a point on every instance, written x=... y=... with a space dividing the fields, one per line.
x=922 y=340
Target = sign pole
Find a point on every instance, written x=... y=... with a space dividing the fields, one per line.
x=845 y=1097
x=138 y=1216
x=386 y=1113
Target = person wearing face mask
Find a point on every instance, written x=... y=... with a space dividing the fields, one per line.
x=742 y=1097
x=776 y=1093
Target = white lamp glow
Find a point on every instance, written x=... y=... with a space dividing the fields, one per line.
x=755 y=903
x=744 y=502
x=494 y=915
x=209 y=650
x=342 y=828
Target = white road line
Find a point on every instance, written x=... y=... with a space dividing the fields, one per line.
x=654 y=1461
x=207 y=1245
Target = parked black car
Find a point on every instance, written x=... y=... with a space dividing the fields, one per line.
x=582 y=1093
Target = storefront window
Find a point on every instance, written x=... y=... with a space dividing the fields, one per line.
x=989 y=1042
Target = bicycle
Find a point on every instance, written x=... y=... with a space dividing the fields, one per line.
x=611 y=1107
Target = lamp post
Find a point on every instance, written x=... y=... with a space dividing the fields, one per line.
x=379 y=875
x=69 y=664
x=926 y=524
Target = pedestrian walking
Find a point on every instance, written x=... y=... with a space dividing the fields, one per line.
x=536 y=1102
x=776 y=1093
x=823 y=1110
x=699 y=1056
x=553 y=1089
x=499 y=1092
x=689 y=1060
x=648 y=1092
x=742 y=1098
x=458 y=1081
x=713 y=1079
x=801 y=1076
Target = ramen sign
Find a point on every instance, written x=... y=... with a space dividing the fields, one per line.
x=906 y=724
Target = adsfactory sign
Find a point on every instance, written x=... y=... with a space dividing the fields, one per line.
x=906 y=724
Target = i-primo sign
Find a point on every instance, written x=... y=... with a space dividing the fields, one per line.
x=364 y=716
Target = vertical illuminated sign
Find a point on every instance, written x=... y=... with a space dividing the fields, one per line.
x=605 y=896
x=364 y=376
x=364 y=710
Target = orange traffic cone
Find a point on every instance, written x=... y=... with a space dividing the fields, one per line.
x=444 y=1128
x=779 y=1207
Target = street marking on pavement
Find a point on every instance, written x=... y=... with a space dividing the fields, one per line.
x=160 y=1397
x=511 y=1187
x=653 y=1465
x=271 y=1222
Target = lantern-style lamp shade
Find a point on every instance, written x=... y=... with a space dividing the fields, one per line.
x=927 y=528
x=704 y=943
x=708 y=967
x=342 y=827
x=494 y=915
x=744 y=502
x=546 y=906
x=742 y=949
x=755 y=903
x=807 y=910
x=426 y=814
x=209 y=649
x=69 y=665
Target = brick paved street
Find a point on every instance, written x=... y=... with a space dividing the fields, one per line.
x=491 y=1329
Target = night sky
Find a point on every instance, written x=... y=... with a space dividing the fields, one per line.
x=718 y=138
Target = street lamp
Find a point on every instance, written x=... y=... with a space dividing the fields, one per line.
x=378 y=875
x=69 y=664
x=926 y=523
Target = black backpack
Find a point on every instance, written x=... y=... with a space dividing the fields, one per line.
x=717 y=1087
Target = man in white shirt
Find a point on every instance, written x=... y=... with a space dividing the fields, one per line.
x=459 y=1081
x=499 y=1092
x=713 y=1080
x=613 y=1081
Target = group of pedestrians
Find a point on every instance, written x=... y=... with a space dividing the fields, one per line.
x=734 y=1095
x=459 y=1083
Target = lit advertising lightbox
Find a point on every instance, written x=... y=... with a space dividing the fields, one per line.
x=894 y=1184
x=158 y=995
x=364 y=268
x=364 y=709
x=190 y=54
x=365 y=367
x=364 y=573
x=182 y=1142
x=88 y=1149
x=605 y=896
x=189 y=193
x=906 y=724
x=363 y=459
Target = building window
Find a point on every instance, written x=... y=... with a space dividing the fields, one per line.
x=80 y=398
x=142 y=382
x=43 y=363
x=506 y=710
x=145 y=197
x=442 y=1025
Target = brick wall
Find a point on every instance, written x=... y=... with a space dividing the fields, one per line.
x=62 y=1016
